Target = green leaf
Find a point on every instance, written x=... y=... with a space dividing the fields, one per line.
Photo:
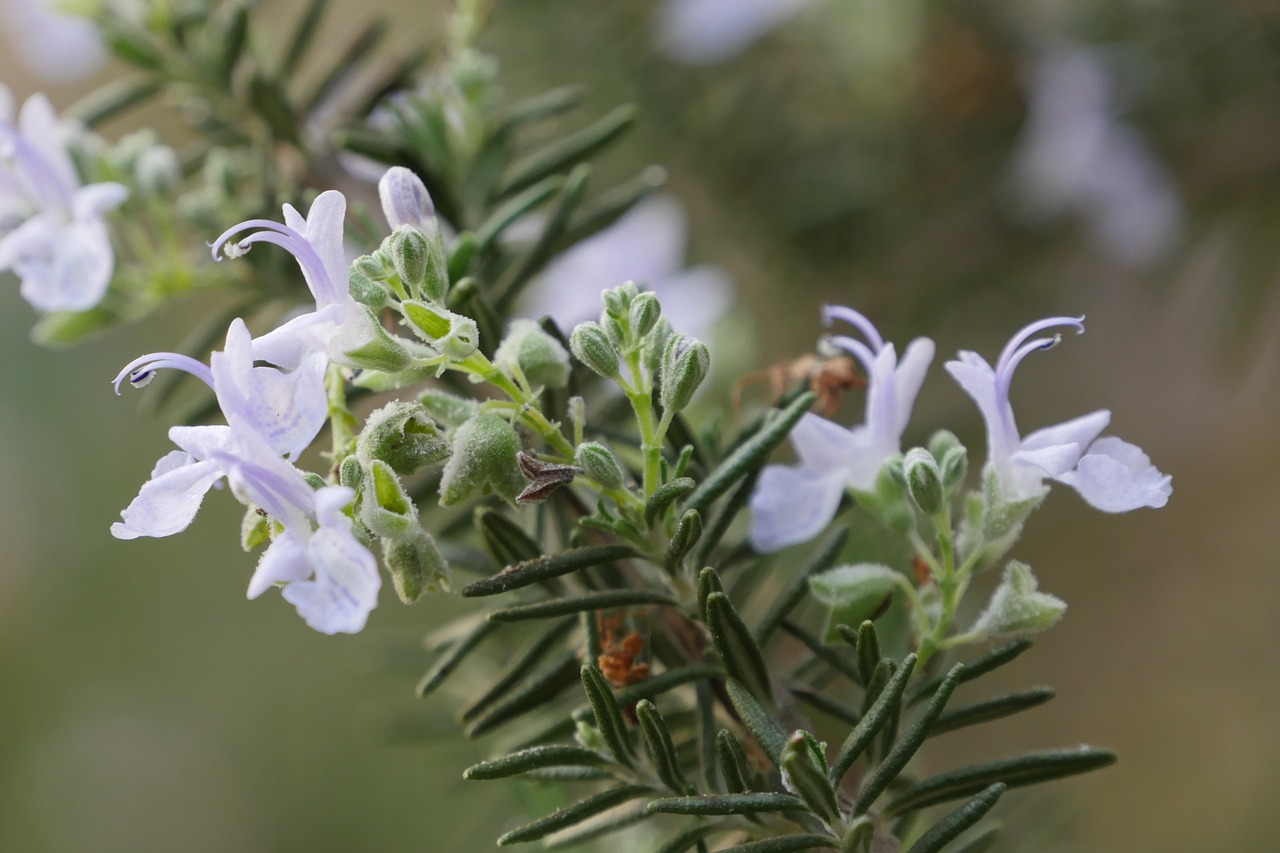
x=682 y=842
x=868 y=647
x=574 y=814
x=668 y=680
x=757 y=720
x=708 y=582
x=991 y=709
x=981 y=842
x=662 y=751
x=453 y=656
x=827 y=655
x=979 y=666
x=664 y=496
x=751 y=454
x=232 y=40
x=360 y=47
x=543 y=568
x=956 y=822
x=534 y=758
x=598 y=213
x=504 y=539
x=822 y=558
x=733 y=763
x=824 y=703
x=887 y=770
x=591 y=601
x=544 y=105
x=736 y=647
x=571 y=194
x=726 y=804
x=271 y=104
x=875 y=684
x=308 y=23
x=1015 y=772
x=872 y=721
x=785 y=844
x=116 y=96
x=688 y=531
x=537 y=692
x=568 y=151
x=518 y=669
x=608 y=715
x=514 y=208
x=612 y=822
x=808 y=779
x=725 y=515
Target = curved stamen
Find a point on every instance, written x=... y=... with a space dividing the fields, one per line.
x=1006 y=354
x=293 y=243
x=831 y=313
x=855 y=348
x=1019 y=348
x=142 y=369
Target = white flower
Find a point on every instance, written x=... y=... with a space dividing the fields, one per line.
x=704 y=32
x=646 y=246
x=339 y=324
x=1110 y=474
x=793 y=503
x=61 y=251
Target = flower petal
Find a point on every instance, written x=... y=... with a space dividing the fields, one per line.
x=1115 y=476
x=96 y=199
x=346 y=584
x=284 y=561
x=322 y=228
x=977 y=379
x=1082 y=431
x=167 y=503
x=908 y=378
x=822 y=444
x=792 y=505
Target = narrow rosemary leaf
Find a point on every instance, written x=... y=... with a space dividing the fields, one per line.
x=829 y=656
x=682 y=842
x=308 y=23
x=872 y=721
x=991 y=709
x=592 y=601
x=875 y=684
x=567 y=774
x=726 y=514
x=785 y=844
x=116 y=96
x=733 y=763
x=687 y=533
x=808 y=780
x=751 y=454
x=757 y=720
x=664 y=496
x=534 y=694
x=668 y=680
x=662 y=752
x=705 y=712
x=574 y=148
x=232 y=40
x=606 y=208
x=543 y=105
x=823 y=558
x=868 y=647
x=574 y=814
x=504 y=539
x=824 y=703
x=608 y=715
x=603 y=824
x=518 y=668
x=993 y=659
x=726 y=804
x=957 y=821
x=552 y=755
x=708 y=582
x=1015 y=772
x=453 y=656
x=269 y=101
x=514 y=208
x=542 y=568
x=571 y=194
x=980 y=843
x=888 y=769
x=736 y=647
x=356 y=51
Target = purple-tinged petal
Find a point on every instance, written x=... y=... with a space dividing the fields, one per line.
x=63 y=268
x=284 y=561
x=405 y=200
x=346 y=584
x=1082 y=431
x=323 y=230
x=1051 y=461
x=792 y=505
x=823 y=445
x=168 y=502
x=201 y=441
x=978 y=380
x=910 y=374
x=96 y=199
x=1115 y=476
x=40 y=126
x=882 y=399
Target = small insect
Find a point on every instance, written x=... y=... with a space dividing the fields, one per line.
x=620 y=651
x=827 y=377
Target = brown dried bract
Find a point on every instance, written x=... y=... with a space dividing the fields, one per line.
x=826 y=377
x=619 y=652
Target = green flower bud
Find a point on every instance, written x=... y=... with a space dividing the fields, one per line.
x=448 y=409
x=403 y=436
x=614 y=331
x=408 y=250
x=386 y=508
x=941 y=442
x=644 y=314
x=954 y=465
x=453 y=335
x=599 y=463
x=540 y=356
x=366 y=291
x=380 y=351
x=483 y=460
x=1017 y=606
x=617 y=300
x=415 y=565
x=685 y=361
x=350 y=474
x=591 y=347
x=370 y=267
x=924 y=480
x=654 y=344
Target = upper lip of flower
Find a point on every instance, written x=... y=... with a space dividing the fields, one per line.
x=323 y=289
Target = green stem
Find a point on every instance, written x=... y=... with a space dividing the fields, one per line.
x=341 y=422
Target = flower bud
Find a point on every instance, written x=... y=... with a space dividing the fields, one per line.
x=924 y=480
x=599 y=463
x=592 y=348
x=1017 y=606
x=453 y=335
x=941 y=442
x=654 y=344
x=370 y=267
x=539 y=356
x=448 y=409
x=617 y=300
x=403 y=436
x=614 y=331
x=386 y=508
x=644 y=314
x=405 y=200
x=408 y=251
x=685 y=361
x=483 y=460
x=954 y=465
x=415 y=565
x=351 y=475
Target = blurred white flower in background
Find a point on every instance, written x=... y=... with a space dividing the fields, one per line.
x=1076 y=156
x=646 y=246
x=704 y=32
x=53 y=44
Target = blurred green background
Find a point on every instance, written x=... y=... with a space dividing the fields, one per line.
x=925 y=162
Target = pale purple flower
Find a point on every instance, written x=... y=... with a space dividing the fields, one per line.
x=338 y=324
x=793 y=503
x=61 y=250
x=646 y=246
x=704 y=32
x=1110 y=474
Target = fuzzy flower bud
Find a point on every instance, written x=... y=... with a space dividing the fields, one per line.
x=408 y=250
x=599 y=463
x=591 y=346
x=366 y=290
x=403 y=436
x=643 y=315
x=685 y=362
x=415 y=565
x=539 y=356
x=924 y=480
x=386 y=509
x=1017 y=606
x=449 y=409
x=484 y=459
